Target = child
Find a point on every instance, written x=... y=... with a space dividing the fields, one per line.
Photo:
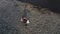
x=25 y=20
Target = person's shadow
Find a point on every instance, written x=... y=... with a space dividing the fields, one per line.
x=53 y=5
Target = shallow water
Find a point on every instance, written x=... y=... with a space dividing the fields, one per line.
x=53 y=5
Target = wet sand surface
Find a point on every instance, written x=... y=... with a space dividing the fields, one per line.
x=42 y=21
